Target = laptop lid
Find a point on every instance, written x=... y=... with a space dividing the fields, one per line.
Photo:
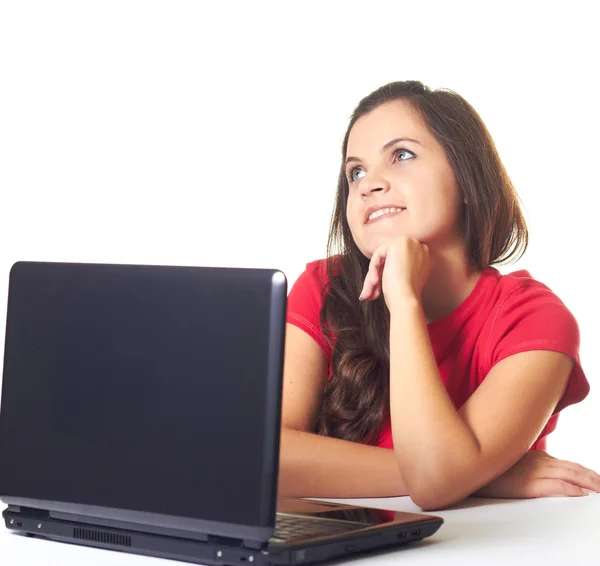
x=145 y=394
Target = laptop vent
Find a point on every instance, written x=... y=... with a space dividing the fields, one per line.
x=102 y=536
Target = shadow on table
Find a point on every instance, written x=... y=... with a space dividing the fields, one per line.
x=472 y=502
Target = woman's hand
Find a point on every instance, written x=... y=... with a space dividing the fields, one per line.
x=399 y=268
x=538 y=474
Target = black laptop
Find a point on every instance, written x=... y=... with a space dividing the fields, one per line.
x=140 y=412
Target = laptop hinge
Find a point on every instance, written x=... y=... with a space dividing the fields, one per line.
x=226 y=541
x=253 y=544
x=236 y=542
x=31 y=512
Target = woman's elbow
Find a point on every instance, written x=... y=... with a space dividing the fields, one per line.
x=434 y=502
x=433 y=496
x=437 y=485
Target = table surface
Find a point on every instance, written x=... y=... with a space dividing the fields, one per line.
x=546 y=531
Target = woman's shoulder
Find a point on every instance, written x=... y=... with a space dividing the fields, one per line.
x=521 y=287
x=528 y=310
x=317 y=267
x=531 y=316
x=308 y=287
x=305 y=301
x=319 y=270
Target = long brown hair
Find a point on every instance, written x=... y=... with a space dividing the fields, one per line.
x=356 y=398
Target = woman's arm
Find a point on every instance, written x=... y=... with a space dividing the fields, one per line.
x=445 y=455
x=316 y=466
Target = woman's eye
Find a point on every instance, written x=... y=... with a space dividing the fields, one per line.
x=399 y=155
x=400 y=152
x=353 y=174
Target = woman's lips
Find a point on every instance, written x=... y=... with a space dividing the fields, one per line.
x=386 y=215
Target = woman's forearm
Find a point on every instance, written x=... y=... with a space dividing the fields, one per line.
x=317 y=466
x=435 y=444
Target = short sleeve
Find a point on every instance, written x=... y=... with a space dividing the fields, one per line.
x=533 y=318
x=305 y=301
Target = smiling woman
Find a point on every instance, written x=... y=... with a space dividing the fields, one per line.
x=412 y=365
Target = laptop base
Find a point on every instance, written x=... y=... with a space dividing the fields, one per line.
x=229 y=552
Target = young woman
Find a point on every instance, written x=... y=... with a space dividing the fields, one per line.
x=412 y=366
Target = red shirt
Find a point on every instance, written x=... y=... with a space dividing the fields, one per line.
x=503 y=315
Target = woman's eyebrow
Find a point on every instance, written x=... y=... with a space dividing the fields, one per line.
x=386 y=147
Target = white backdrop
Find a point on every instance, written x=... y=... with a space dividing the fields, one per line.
x=208 y=133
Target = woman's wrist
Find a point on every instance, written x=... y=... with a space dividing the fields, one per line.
x=404 y=304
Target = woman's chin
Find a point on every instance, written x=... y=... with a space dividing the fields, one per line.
x=384 y=237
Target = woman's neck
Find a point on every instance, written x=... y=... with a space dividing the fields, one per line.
x=451 y=281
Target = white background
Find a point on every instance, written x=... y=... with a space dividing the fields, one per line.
x=208 y=133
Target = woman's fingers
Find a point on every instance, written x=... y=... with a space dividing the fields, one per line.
x=572 y=473
x=551 y=487
x=378 y=259
x=372 y=284
x=369 y=286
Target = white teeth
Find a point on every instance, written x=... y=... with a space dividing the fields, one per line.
x=383 y=211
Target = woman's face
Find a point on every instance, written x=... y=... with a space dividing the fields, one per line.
x=400 y=181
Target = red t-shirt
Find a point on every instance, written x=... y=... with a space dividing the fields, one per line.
x=503 y=315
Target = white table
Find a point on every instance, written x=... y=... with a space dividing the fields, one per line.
x=480 y=532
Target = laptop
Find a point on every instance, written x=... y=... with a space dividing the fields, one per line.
x=140 y=412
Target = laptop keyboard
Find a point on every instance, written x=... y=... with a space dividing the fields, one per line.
x=300 y=526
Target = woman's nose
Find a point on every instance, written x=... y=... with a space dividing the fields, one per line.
x=373 y=182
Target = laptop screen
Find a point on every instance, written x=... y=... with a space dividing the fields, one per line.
x=143 y=388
